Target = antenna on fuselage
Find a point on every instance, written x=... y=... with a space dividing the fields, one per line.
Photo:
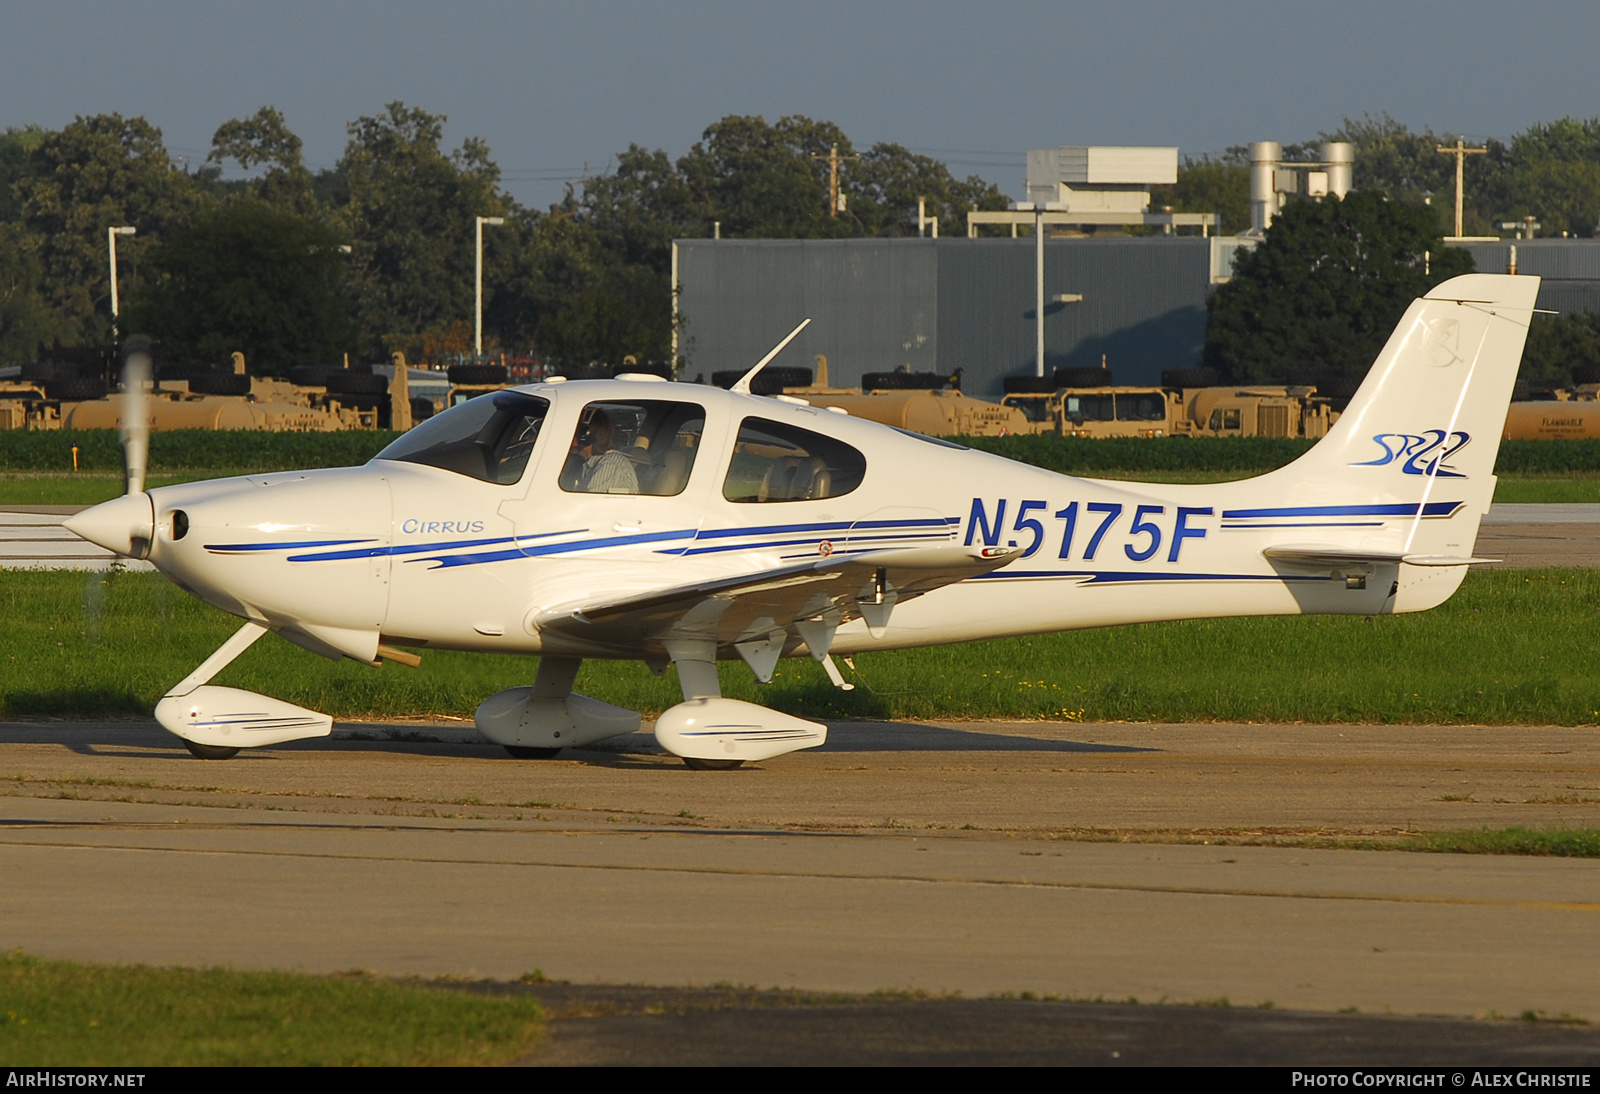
x=743 y=386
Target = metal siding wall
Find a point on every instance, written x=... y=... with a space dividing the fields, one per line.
x=1559 y=259
x=1569 y=296
x=872 y=304
x=1144 y=307
x=939 y=305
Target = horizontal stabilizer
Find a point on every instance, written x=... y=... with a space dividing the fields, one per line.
x=1345 y=556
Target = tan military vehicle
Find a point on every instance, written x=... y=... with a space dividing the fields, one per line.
x=920 y=402
x=1564 y=414
x=1177 y=408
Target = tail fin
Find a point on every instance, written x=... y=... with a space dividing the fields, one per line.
x=1414 y=451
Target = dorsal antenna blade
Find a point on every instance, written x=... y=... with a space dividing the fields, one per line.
x=743 y=386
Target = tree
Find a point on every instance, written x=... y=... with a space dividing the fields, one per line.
x=1207 y=185
x=265 y=140
x=761 y=181
x=885 y=185
x=249 y=276
x=16 y=148
x=411 y=213
x=1322 y=292
x=1557 y=344
x=95 y=173
x=25 y=321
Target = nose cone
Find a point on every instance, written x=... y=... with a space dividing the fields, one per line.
x=125 y=525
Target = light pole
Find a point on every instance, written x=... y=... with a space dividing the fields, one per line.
x=111 y=246
x=477 y=325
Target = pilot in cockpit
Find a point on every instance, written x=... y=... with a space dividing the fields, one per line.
x=606 y=470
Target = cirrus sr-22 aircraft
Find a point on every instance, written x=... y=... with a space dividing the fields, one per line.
x=686 y=525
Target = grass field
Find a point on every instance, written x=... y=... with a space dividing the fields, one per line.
x=60 y=1013
x=89 y=487
x=1512 y=647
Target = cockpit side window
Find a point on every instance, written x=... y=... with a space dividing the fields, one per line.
x=774 y=461
x=488 y=438
x=631 y=446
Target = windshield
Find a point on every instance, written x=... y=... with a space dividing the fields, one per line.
x=488 y=438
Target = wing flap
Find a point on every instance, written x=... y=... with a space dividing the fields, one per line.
x=733 y=609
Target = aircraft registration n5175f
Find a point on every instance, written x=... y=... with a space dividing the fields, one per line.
x=686 y=525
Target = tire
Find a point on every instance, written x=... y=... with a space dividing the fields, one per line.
x=477 y=374
x=904 y=381
x=346 y=382
x=75 y=389
x=712 y=765
x=1029 y=385
x=174 y=372
x=1084 y=377
x=37 y=371
x=523 y=752
x=210 y=752
x=421 y=409
x=312 y=375
x=1586 y=374
x=769 y=381
x=1190 y=377
x=218 y=383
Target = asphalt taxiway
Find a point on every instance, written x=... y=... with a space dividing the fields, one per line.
x=1083 y=862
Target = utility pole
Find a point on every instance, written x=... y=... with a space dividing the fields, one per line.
x=111 y=246
x=477 y=306
x=1460 y=152
x=833 y=160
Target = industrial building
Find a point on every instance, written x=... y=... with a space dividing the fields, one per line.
x=1138 y=303
x=936 y=305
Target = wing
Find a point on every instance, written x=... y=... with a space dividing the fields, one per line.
x=778 y=609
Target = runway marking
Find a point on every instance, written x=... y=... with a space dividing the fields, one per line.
x=924 y=879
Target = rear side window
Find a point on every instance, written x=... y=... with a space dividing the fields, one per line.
x=774 y=461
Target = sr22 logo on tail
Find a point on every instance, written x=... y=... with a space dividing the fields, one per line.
x=1413 y=448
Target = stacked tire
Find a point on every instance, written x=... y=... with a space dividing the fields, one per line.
x=769 y=381
x=904 y=381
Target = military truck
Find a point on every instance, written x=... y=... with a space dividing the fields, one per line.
x=922 y=402
x=1188 y=403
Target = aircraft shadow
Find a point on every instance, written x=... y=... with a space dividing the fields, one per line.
x=148 y=740
x=919 y=737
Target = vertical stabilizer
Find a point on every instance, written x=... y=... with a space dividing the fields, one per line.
x=1422 y=432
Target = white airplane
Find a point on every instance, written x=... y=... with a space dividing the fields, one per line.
x=686 y=525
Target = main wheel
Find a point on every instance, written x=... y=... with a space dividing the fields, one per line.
x=522 y=752
x=211 y=752
x=712 y=765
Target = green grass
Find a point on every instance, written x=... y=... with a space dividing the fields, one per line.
x=1556 y=842
x=89 y=487
x=60 y=1013
x=1512 y=647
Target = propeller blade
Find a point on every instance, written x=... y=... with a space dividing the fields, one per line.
x=136 y=373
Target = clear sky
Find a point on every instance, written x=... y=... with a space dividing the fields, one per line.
x=559 y=88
